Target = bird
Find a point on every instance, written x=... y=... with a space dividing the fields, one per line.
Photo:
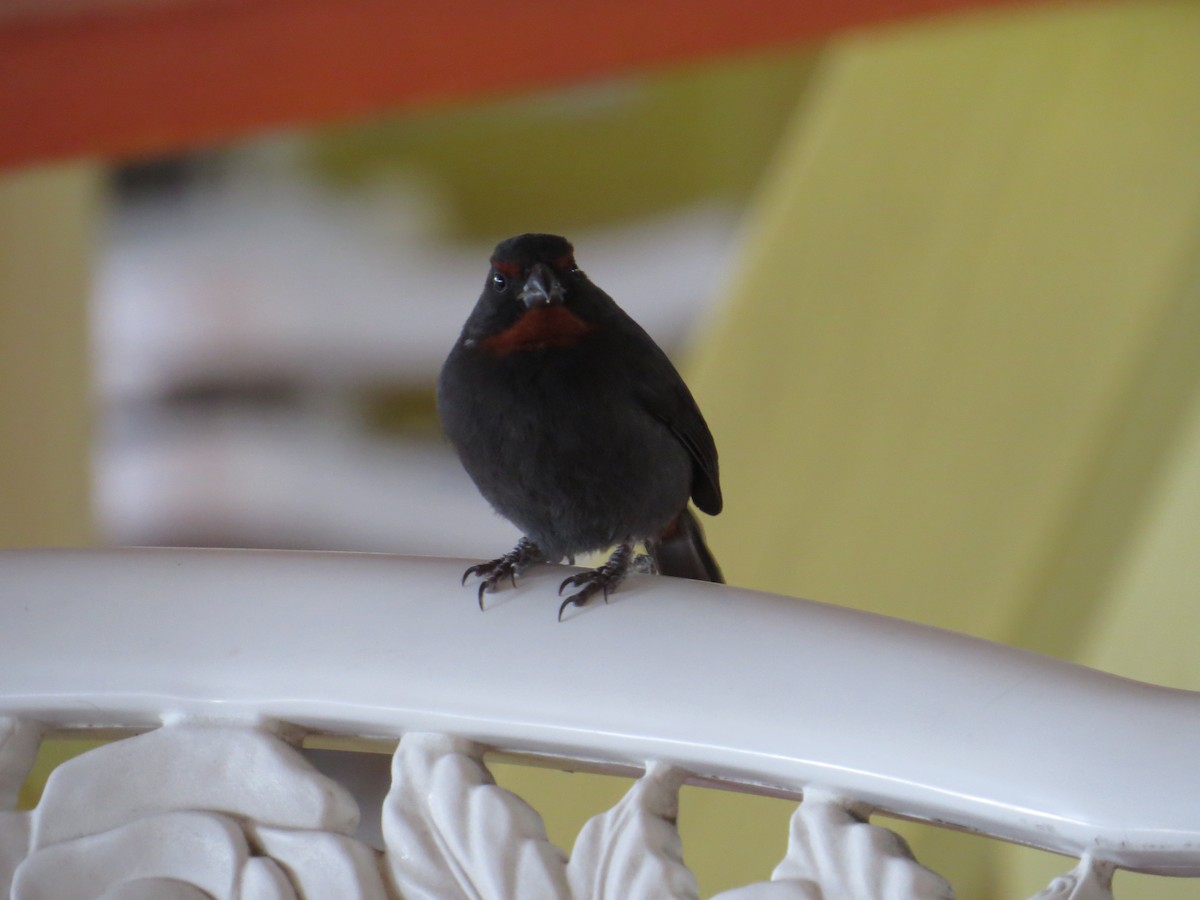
x=576 y=427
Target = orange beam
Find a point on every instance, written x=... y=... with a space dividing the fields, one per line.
x=122 y=78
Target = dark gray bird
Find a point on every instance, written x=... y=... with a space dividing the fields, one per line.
x=575 y=426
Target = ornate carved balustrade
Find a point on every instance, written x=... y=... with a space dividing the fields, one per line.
x=221 y=663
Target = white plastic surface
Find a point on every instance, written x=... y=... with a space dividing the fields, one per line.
x=725 y=683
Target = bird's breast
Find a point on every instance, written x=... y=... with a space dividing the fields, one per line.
x=538 y=328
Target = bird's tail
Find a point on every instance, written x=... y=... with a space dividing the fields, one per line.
x=681 y=551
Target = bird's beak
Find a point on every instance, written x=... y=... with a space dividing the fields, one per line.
x=541 y=287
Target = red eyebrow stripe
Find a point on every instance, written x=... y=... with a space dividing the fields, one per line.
x=505 y=267
x=564 y=262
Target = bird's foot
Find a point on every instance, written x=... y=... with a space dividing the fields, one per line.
x=643 y=564
x=509 y=566
x=606 y=578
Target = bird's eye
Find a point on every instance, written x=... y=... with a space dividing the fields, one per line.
x=499 y=282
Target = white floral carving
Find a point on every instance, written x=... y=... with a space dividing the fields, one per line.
x=231 y=811
x=834 y=852
x=452 y=832
x=229 y=769
x=201 y=849
x=322 y=864
x=633 y=850
x=263 y=879
x=14 y=845
x=194 y=810
x=154 y=889
x=1090 y=880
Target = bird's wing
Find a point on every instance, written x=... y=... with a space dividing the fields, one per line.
x=664 y=395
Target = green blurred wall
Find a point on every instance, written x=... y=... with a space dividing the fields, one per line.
x=46 y=228
x=957 y=378
x=572 y=159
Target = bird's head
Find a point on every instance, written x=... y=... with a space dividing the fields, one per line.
x=532 y=297
x=534 y=269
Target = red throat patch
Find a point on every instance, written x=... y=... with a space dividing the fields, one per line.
x=538 y=328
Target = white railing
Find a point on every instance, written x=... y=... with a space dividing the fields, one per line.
x=230 y=658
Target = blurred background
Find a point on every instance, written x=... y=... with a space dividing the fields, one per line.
x=931 y=269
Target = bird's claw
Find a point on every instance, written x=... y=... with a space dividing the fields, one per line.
x=510 y=565
x=593 y=581
x=479 y=569
x=492 y=574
